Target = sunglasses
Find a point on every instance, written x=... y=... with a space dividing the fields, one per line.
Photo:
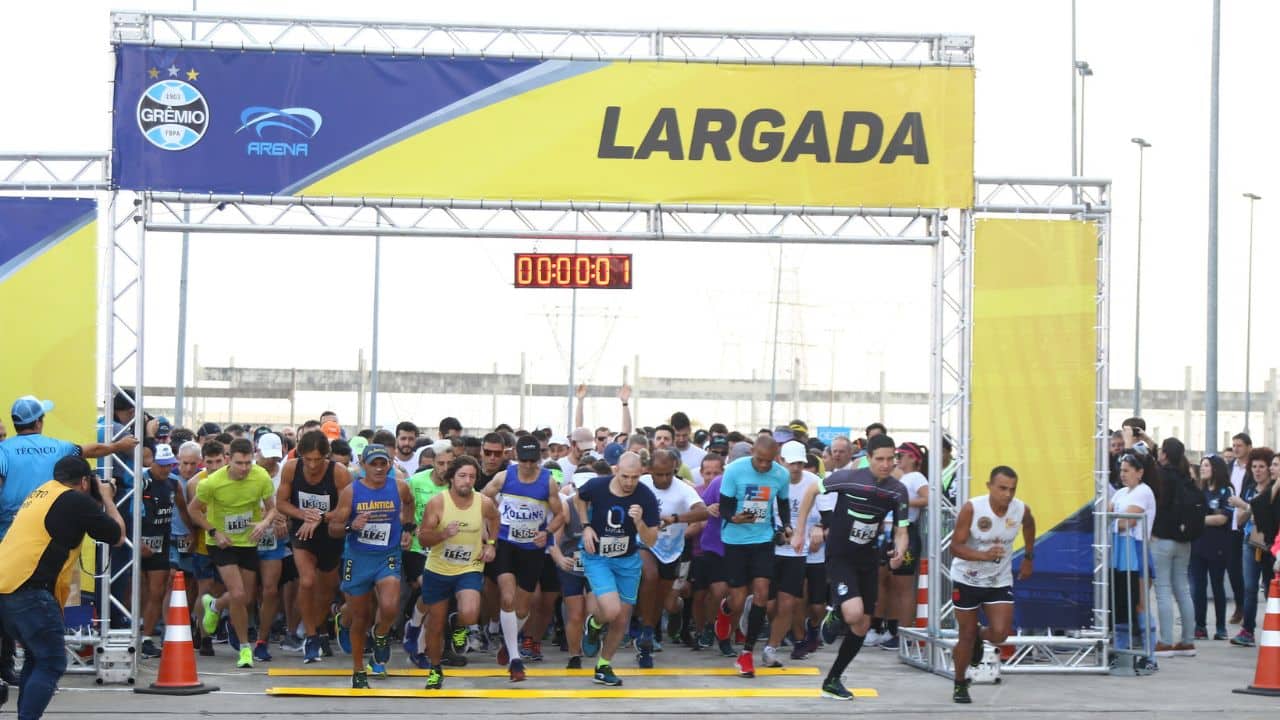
x=493 y=453
x=602 y=438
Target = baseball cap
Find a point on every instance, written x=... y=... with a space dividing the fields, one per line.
x=792 y=452
x=373 y=451
x=269 y=446
x=718 y=442
x=584 y=438
x=783 y=434
x=558 y=440
x=528 y=448
x=72 y=468
x=163 y=427
x=259 y=431
x=799 y=426
x=358 y=444
x=612 y=452
x=700 y=437
x=209 y=428
x=28 y=409
x=164 y=455
x=331 y=429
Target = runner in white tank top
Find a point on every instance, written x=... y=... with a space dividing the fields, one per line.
x=982 y=571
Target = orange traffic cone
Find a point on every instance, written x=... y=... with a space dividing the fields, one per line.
x=177 y=674
x=1266 y=680
x=922 y=595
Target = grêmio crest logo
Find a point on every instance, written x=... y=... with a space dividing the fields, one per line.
x=295 y=124
x=172 y=113
x=766 y=135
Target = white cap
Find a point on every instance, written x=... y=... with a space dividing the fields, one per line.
x=584 y=438
x=164 y=455
x=269 y=446
x=558 y=440
x=793 y=451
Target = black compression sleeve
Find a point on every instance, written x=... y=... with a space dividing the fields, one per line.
x=783 y=510
x=728 y=507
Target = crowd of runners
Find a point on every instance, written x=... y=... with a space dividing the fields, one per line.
x=391 y=546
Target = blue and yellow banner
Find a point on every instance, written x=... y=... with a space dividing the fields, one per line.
x=349 y=125
x=48 y=288
x=1033 y=394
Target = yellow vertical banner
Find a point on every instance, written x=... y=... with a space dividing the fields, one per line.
x=48 y=288
x=1033 y=393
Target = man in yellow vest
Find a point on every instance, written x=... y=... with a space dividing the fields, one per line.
x=37 y=557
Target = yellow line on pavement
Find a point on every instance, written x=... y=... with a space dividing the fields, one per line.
x=497 y=671
x=565 y=693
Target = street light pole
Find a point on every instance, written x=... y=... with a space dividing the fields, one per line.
x=1211 y=303
x=1248 y=323
x=1084 y=71
x=1137 y=300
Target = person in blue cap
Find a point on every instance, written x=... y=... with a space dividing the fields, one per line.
x=27 y=458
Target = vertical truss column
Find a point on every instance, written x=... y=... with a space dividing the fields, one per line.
x=116 y=659
x=1102 y=432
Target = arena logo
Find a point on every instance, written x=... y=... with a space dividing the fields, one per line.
x=173 y=115
x=292 y=121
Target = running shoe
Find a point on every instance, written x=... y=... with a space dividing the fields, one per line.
x=575 y=663
x=421 y=661
x=769 y=658
x=210 y=620
x=149 y=649
x=411 y=639
x=675 y=623
x=834 y=689
x=645 y=642
x=1202 y=633
x=461 y=638
x=800 y=651
x=707 y=639
x=889 y=643
x=381 y=649
x=246 y=657
x=343 y=634
x=724 y=623
x=832 y=627
x=1243 y=639
x=376 y=669
x=260 y=651
x=516 y=670
x=960 y=693
x=359 y=681
x=604 y=676
x=451 y=658
x=1220 y=635
x=726 y=648
x=311 y=650
x=590 y=637
x=435 y=679
x=526 y=649
x=291 y=643
x=644 y=660
x=206 y=646
x=745 y=664
x=325 y=649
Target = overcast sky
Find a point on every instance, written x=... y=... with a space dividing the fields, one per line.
x=705 y=310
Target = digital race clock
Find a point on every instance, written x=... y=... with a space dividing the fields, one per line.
x=606 y=271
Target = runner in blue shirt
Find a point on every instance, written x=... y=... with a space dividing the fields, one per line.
x=618 y=509
x=753 y=498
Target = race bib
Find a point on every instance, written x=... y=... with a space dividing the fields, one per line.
x=237 y=523
x=523 y=530
x=183 y=543
x=311 y=501
x=376 y=534
x=615 y=546
x=577 y=562
x=267 y=542
x=863 y=533
x=759 y=509
x=154 y=544
x=457 y=554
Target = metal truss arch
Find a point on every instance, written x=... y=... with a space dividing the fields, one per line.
x=388 y=37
